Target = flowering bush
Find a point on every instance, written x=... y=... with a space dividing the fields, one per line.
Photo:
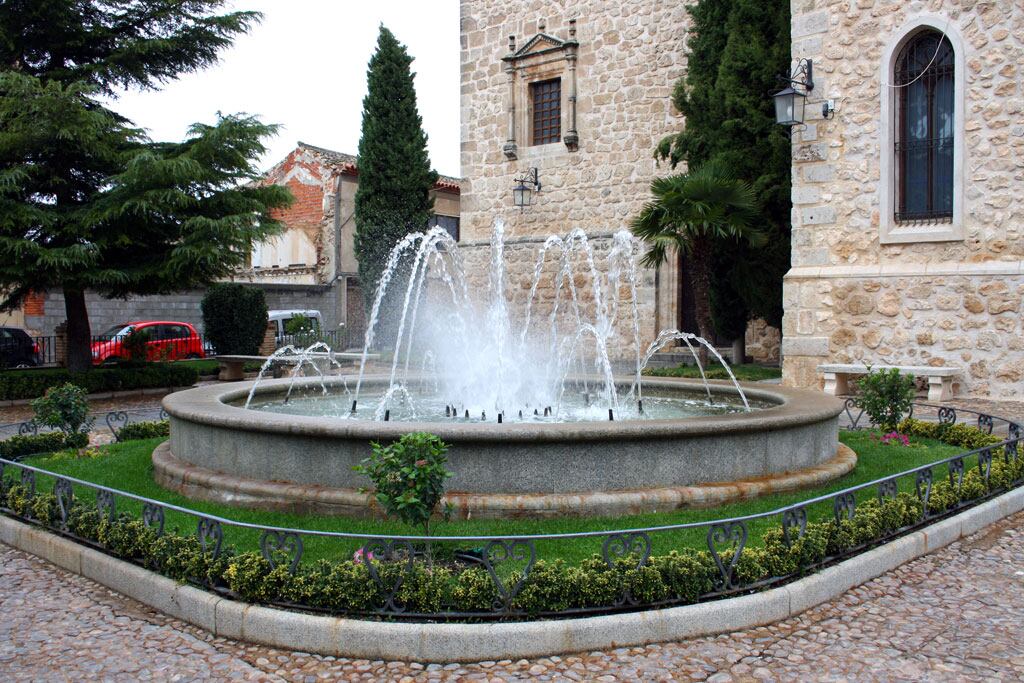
x=893 y=438
x=885 y=395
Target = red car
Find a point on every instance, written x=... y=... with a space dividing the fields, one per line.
x=167 y=340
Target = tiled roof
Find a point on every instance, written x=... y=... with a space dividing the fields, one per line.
x=350 y=163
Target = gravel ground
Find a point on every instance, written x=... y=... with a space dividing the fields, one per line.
x=954 y=615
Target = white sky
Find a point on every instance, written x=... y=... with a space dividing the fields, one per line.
x=304 y=66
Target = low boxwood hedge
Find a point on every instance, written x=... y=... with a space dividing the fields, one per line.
x=679 y=577
x=144 y=430
x=48 y=442
x=23 y=384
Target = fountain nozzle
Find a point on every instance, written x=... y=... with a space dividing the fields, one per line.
x=387 y=415
x=499 y=418
x=611 y=415
x=353 y=407
x=640 y=406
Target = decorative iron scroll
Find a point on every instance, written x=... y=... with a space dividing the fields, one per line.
x=499 y=551
x=273 y=543
x=106 y=505
x=848 y=406
x=947 y=415
x=985 y=463
x=384 y=550
x=888 y=489
x=956 y=472
x=28 y=428
x=844 y=505
x=985 y=423
x=153 y=517
x=65 y=494
x=210 y=535
x=28 y=480
x=923 y=488
x=795 y=517
x=116 y=421
x=725 y=536
x=620 y=546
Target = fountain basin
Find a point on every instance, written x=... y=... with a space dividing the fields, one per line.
x=223 y=452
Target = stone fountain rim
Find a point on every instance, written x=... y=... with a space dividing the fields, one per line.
x=209 y=405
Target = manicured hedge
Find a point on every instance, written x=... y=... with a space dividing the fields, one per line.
x=144 y=430
x=22 y=384
x=681 y=576
x=48 y=442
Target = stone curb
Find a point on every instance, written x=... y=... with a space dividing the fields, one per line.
x=200 y=483
x=508 y=640
x=102 y=396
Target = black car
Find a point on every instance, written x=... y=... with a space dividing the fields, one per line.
x=17 y=350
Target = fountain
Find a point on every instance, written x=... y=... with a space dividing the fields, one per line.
x=543 y=403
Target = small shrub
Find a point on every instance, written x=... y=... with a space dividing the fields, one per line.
x=47 y=442
x=886 y=395
x=65 y=407
x=134 y=345
x=144 y=430
x=408 y=477
x=234 y=318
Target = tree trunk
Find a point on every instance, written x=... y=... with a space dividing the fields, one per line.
x=739 y=349
x=79 y=335
x=700 y=283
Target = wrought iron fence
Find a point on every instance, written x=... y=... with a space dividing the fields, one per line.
x=509 y=566
x=115 y=421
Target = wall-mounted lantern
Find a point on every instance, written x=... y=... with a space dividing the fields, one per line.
x=789 y=103
x=522 y=193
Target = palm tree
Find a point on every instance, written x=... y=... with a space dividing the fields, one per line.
x=689 y=213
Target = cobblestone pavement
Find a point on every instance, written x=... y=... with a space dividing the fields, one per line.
x=952 y=615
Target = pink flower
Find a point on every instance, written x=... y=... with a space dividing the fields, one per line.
x=357 y=556
x=895 y=438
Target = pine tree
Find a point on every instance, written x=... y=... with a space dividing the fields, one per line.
x=395 y=177
x=88 y=201
x=736 y=50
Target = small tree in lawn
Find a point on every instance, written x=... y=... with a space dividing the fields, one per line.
x=408 y=478
x=89 y=202
x=689 y=213
x=395 y=179
x=886 y=396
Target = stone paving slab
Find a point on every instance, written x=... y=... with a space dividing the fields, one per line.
x=953 y=615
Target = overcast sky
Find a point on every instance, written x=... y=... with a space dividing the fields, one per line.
x=304 y=67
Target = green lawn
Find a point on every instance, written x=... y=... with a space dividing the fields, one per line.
x=744 y=373
x=128 y=467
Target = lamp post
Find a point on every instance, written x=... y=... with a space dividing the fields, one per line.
x=522 y=193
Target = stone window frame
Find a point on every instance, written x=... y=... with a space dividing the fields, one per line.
x=947 y=230
x=542 y=58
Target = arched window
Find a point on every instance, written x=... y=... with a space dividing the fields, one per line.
x=925 y=74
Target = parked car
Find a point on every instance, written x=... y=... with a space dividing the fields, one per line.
x=17 y=349
x=280 y=321
x=166 y=340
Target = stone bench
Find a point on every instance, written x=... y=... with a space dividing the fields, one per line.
x=232 y=368
x=940 y=379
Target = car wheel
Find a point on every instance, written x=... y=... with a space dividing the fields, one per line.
x=22 y=365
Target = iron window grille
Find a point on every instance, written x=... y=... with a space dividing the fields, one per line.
x=924 y=141
x=547 y=111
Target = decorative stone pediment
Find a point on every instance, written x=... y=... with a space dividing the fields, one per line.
x=540 y=44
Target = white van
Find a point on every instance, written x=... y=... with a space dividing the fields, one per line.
x=281 y=318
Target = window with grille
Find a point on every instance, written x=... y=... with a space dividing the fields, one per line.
x=547 y=111
x=925 y=73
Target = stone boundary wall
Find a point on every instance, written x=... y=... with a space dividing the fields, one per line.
x=424 y=642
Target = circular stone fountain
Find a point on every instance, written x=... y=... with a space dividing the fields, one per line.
x=536 y=418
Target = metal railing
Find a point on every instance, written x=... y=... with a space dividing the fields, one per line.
x=508 y=561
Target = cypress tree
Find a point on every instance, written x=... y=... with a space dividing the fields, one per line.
x=395 y=177
x=736 y=50
x=88 y=201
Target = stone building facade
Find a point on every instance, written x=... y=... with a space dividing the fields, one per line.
x=581 y=92
x=311 y=265
x=866 y=285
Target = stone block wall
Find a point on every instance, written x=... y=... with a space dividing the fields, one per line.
x=630 y=54
x=952 y=300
